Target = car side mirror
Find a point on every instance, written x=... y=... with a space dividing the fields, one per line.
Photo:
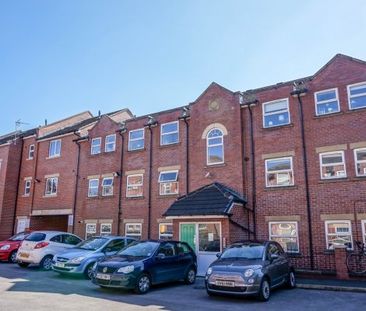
x=160 y=256
x=107 y=250
x=218 y=255
x=274 y=257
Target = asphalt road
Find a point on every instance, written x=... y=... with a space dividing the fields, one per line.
x=30 y=289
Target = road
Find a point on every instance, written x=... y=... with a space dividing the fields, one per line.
x=35 y=290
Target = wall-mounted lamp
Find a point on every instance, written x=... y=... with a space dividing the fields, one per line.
x=123 y=127
x=37 y=180
x=299 y=89
x=151 y=121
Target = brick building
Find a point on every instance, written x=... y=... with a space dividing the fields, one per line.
x=285 y=162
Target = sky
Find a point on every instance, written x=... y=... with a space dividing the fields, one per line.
x=58 y=58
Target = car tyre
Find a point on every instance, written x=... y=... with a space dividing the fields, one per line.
x=46 y=263
x=265 y=290
x=88 y=272
x=190 y=277
x=23 y=264
x=291 y=282
x=143 y=284
x=13 y=257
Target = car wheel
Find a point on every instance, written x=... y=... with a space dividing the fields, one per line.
x=23 y=264
x=265 y=290
x=46 y=263
x=143 y=284
x=190 y=277
x=13 y=257
x=291 y=282
x=88 y=272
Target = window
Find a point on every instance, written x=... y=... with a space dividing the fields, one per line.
x=360 y=161
x=90 y=230
x=169 y=133
x=357 y=95
x=93 y=188
x=55 y=148
x=168 y=182
x=105 y=229
x=107 y=186
x=215 y=147
x=70 y=239
x=57 y=238
x=363 y=223
x=209 y=237
x=165 y=231
x=95 y=145
x=276 y=113
x=136 y=139
x=286 y=234
x=133 y=230
x=332 y=165
x=134 y=186
x=167 y=249
x=279 y=172
x=338 y=232
x=31 y=152
x=51 y=186
x=326 y=102
x=27 y=187
x=110 y=143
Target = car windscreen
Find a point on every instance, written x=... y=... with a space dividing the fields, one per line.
x=249 y=251
x=35 y=237
x=18 y=237
x=92 y=244
x=139 y=249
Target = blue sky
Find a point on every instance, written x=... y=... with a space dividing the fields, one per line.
x=58 y=58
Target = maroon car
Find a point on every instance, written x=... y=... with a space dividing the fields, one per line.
x=9 y=248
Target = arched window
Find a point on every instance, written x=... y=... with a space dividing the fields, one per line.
x=215 y=147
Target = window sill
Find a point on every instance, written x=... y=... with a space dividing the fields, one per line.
x=50 y=196
x=29 y=159
x=355 y=110
x=136 y=150
x=135 y=198
x=170 y=195
x=25 y=195
x=281 y=188
x=101 y=197
x=170 y=145
x=53 y=157
x=278 y=127
x=214 y=165
x=333 y=180
x=327 y=115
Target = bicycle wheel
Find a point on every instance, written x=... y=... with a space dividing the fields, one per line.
x=356 y=263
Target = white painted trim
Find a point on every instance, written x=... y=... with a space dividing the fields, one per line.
x=222 y=144
x=272 y=102
x=349 y=94
x=213 y=126
x=363 y=224
x=325 y=91
x=133 y=234
x=197 y=217
x=105 y=224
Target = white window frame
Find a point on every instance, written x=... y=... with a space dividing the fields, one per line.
x=105 y=233
x=334 y=164
x=326 y=101
x=104 y=194
x=51 y=193
x=135 y=185
x=349 y=94
x=285 y=236
x=166 y=235
x=363 y=224
x=31 y=152
x=168 y=133
x=55 y=155
x=162 y=184
x=89 y=188
x=272 y=113
x=284 y=171
x=106 y=143
x=335 y=234
x=94 y=232
x=215 y=145
x=27 y=186
x=133 y=234
x=359 y=161
x=135 y=139
x=99 y=145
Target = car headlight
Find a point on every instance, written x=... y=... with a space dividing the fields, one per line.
x=209 y=271
x=248 y=273
x=77 y=260
x=127 y=269
x=5 y=247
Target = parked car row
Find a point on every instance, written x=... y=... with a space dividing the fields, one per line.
x=244 y=268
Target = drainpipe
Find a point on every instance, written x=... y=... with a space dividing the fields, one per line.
x=251 y=102
x=185 y=116
x=76 y=185
x=121 y=132
x=151 y=123
x=35 y=180
x=300 y=90
x=18 y=183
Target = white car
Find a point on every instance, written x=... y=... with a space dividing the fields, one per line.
x=40 y=246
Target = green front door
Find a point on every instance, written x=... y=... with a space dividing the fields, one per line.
x=187 y=234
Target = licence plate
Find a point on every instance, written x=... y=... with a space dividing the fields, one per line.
x=24 y=255
x=60 y=264
x=103 y=276
x=225 y=283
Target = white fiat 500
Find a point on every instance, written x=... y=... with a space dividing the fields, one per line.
x=40 y=247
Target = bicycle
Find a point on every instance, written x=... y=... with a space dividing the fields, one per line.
x=356 y=262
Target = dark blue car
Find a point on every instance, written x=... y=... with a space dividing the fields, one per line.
x=146 y=263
